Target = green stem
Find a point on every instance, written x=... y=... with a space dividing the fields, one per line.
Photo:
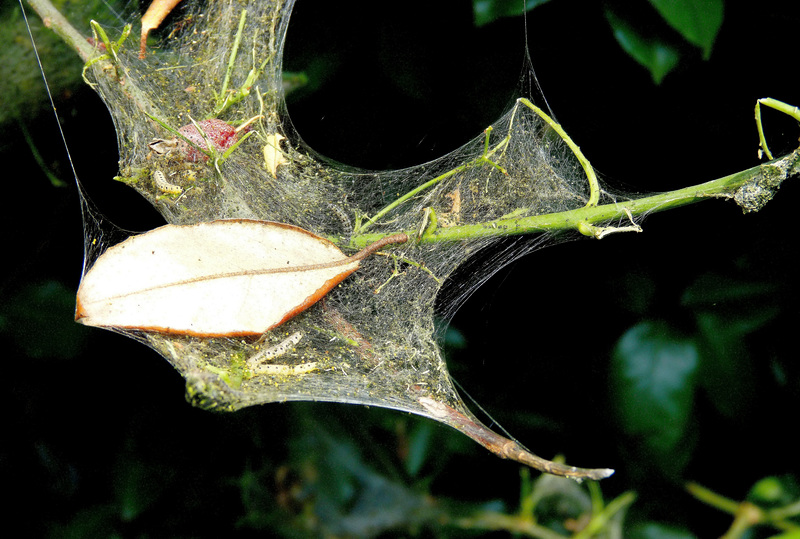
x=709 y=497
x=747 y=516
x=788 y=511
x=594 y=184
x=785 y=108
x=509 y=523
x=768 y=175
x=221 y=98
x=601 y=519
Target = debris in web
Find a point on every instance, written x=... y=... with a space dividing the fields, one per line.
x=372 y=339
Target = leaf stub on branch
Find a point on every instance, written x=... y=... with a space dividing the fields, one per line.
x=233 y=277
x=504 y=447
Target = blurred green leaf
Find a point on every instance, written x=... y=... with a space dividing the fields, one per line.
x=657 y=56
x=727 y=365
x=775 y=491
x=654 y=530
x=653 y=376
x=419 y=446
x=727 y=310
x=634 y=292
x=557 y=499
x=347 y=495
x=486 y=11
x=698 y=21
x=139 y=485
x=40 y=319
x=94 y=521
x=454 y=339
x=712 y=289
x=766 y=490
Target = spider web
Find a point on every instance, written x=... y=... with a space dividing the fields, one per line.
x=372 y=338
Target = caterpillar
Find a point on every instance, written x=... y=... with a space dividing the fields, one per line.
x=160 y=180
x=274 y=351
x=257 y=366
x=286 y=370
x=342 y=216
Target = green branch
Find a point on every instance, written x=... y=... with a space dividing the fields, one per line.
x=751 y=189
x=594 y=184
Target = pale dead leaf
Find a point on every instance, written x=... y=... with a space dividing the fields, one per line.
x=223 y=278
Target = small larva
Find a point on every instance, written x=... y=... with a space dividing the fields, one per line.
x=341 y=215
x=277 y=350
x=257 y=365
x=286 y=370
x=160 y=180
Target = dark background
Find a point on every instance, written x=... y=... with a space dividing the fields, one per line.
x=97 y=429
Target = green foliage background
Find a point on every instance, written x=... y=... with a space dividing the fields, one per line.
x=669 y=355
